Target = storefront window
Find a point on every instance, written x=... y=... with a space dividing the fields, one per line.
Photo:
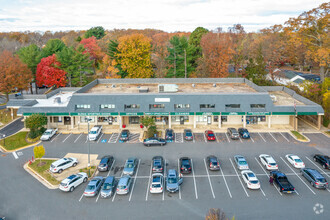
x=201 y=118
x=50 y=119
x=108 y=106
x=215 y=118
x=58 y=119
x=255 y=119
x=177 y=118
x=132 y=106
x=83 y=106
x=156 y=106
x=84 y=119
x=107 y=119
x=207 y=105
x=181 y=106
x=159 y=118
x=223 y=118
x=134 y=119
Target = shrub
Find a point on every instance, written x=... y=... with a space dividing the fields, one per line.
x=152 y=130
x=33 y=134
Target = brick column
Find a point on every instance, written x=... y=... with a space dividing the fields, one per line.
x=319 y=121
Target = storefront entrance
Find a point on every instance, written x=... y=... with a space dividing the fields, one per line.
x=67 y=120
x=134 y=120
x=252 y=120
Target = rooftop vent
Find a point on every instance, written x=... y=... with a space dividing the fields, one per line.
x=193 y=85
x=57 y=100
x=273 y=97
x=163 y=88
x=214 y=85
x=143 y=89
x=113 y=86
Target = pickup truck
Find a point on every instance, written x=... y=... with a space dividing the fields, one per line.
x=94 y=132
x=282 y=182
x=48 y=134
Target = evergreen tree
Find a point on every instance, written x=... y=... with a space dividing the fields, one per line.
x=256 y=69
x=194 y=40
x=97 y=32
x=113 y=54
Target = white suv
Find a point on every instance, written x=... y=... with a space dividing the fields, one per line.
x=62 y=164
x=71 y=182
x=94 y=133
x=268 y=161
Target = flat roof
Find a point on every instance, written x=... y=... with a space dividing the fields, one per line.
x=51 y=102
x=182 y=88
x=284 y=99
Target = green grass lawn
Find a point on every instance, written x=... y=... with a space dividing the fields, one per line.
x=85 y=170
x=42 y=170
x=15 y=141
x=298 y=135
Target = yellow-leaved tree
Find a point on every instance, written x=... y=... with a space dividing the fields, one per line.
x=134 y=56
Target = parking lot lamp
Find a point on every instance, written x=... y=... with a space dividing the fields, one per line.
x=4 y=140
x=89 y=146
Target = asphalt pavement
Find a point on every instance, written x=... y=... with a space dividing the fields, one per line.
x=12 y=128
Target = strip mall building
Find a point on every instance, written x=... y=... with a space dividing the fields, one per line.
x=174 y=103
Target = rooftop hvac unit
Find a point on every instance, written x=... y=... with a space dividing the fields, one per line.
x=214 y=85
x=57 y=100
x=143 y=89
x=273 y=97
x=164 y=88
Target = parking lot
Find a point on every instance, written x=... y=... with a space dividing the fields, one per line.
x=201 y=190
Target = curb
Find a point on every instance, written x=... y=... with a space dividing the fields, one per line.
x=308 y=140
x=38 y=177
x=21 y=148
x=11 y=123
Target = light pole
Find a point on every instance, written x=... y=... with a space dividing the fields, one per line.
x=89 y=146
x=4 y=140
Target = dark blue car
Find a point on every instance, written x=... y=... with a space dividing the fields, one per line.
x=244 y=133
x=169 y=134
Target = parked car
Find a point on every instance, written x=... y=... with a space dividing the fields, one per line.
x=94 y=186
x=213 y=162
x=108 y=187
x=295 y=161
x=232 y=133
x=209 y=135
x=169 y=134
x=173 y=181
x=130 y=166
x=323 y=160
x=124 y=185
x=62 y=164
x=154 y=141
x=241 y=162
x=188 y=135
x=157 y=164
x=94 y=133
x=268 y=162
x=73 y=181
x=185 y=165
x=157 y=183
x=250 y=179
x=124 y=135
x=105 y=163
x=315 y=178
x=48 y=134
x=244 y=133
x=282 y=182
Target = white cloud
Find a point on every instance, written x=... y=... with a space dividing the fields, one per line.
x=167 y=15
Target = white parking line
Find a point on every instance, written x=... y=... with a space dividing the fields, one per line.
x=111 y=167
x=164 y=180
x=240 y=139
x=251 y=139
x=98 y=196
x=284 y=137
x=317 y=167
x=86 y=139
x=66 y=138
x=117 y=138
x=149 y=182
x=205 y=139
x=100 y=138
x=77 y=138
x=262 y=137
x=225 y=182
x=299 y=177
x=130 y=196
x=239 y=178
x=81 y=197
x=192 y=168
x=268 y=176
x=227 y=137
x=55 y=137
x=208 y=176
x=110 y=138
x=15 y=155
x=216 y=139
x=182 y=177
x=272 y=136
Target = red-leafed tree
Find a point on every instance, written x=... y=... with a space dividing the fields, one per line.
x=91 y=47
x=49 y=74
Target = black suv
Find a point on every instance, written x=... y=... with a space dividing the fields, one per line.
x=232 y=132
x=157 y=164
x=124 y=135
x=105 y=163
x=323 y=160
x=185 y=165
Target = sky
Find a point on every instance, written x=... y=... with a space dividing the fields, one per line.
x=166 y=15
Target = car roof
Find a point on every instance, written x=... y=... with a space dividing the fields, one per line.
x=316 y=173
x=172 y=172
x=50 y=129
x=123 y=180
x=131 y=159
x=109 y=179
x=58 y=162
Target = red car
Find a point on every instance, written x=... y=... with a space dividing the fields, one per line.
x=209 y=135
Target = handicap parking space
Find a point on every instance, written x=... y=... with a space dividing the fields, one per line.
x=113 y=138
x=199 y=137
x=178 y=137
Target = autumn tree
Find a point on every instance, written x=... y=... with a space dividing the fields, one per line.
x=49 y=72
x=217 y=53
x=29 y=55
x=14 y=74
x=180 y=57
x=93 y=49
x=237 y=35
x=134 y=56
x=159 y=54
x=76 y=64
x=97 y=32
x=255 y=69
x=39 y=152
x=114 y=68
x=53 y=46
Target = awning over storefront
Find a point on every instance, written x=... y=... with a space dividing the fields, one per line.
x=232 y=113
x=207 y=113
x=258 y=113
x=182 y=113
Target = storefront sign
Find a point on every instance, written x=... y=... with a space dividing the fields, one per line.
x=307 y=113
x=207 y=113
x=157 y=113
x=93 y=113
x=283 y=113
x=232 y=113
x=162 y=100
x=258 y=113
x=28 y=114
x=131 y=113
x=58 y=114
x=182 y=113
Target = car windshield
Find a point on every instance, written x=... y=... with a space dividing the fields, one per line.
x=272 y=164
x=129 y=165
x=185 y=162
x=322 y=180
x=156 y=185
x=124 y=134
x=121 y=187
x=211 y=135
x=92 y=132
x=172 y=180
x=242 y=163
x=104 y=160
x=47 y=133
x=188 y=134
x=298 y=160
x=89 y=187
x=107 y=186
x=214 y=163
x=254 y=181
x=251 y=175
x=169 y=133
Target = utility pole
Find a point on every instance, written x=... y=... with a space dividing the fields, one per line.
x=185 y=63
x=174 y=65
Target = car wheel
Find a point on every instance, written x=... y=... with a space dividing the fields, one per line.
x=148 y=145
x=312 y=183
x=324 y=166
x=314 y=159
x=60 y=171
x=71 y=189
x=74 y=164
x=85 y=180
